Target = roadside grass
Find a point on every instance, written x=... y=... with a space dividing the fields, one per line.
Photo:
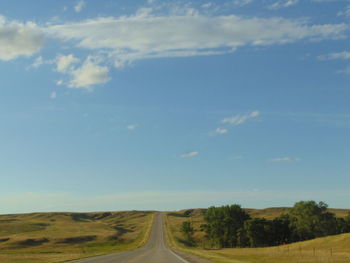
x=59 y=237
x=331 y=249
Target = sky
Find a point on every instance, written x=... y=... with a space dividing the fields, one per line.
x=166 y=105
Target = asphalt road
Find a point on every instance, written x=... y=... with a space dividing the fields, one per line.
x=155 y=251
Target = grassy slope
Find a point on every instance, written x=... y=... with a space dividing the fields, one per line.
x=329 y=249
x=58 y=237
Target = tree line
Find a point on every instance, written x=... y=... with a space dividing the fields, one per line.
x=231 y=226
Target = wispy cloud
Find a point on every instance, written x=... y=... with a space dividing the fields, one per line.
x=241 y=118
x=285 y=159
x=283 y=4
x=323 y=1
x=336 y=55
x=220 y=131
x=189 y=155
x=142 y=36
x=119 y=41
x=39 y=61
x=240 y=2
x=344 y=55
x=79 y=6
x=344 y=12
x=345 y=71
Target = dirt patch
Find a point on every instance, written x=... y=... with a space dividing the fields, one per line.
x=101 y=216
x=77 y=240
x=30 y=242
x=81 y=217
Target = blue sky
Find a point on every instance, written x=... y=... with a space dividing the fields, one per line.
x=114 y=105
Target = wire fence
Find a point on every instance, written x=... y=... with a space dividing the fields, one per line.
x=311 y=255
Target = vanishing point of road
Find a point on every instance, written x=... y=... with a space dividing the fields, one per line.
x=155 y=251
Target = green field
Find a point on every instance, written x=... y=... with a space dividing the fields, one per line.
x=58 y=237
x=332 y=249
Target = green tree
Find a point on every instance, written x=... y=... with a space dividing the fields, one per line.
x=242 y=239
x=259 y=232
x=282 y=233
x=188 y=230
x=344 y=224
x=310 y=220
x=223 y=223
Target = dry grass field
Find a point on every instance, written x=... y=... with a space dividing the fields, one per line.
x=332 y=249
x=58 y=237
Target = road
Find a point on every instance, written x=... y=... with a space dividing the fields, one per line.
x=155 y=251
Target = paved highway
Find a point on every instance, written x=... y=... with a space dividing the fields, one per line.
x=155 y=251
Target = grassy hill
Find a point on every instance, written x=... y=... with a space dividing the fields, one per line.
x=57 y=237
x=328 y=249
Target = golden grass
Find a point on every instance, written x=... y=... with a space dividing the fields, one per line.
x=332 y=249
x=59 y=237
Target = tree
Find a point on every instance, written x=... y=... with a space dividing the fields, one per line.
x=223 y=223
x=343 y=224
x=347 y=219
x=282 y=233
x=310 y=220
x=242 y=239
x=231 y=226
x=259 y=232
x=188 y=230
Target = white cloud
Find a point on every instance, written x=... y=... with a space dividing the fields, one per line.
x=19 y=39
x=130 y=38
x=79 y=6
x=132 y=127
x=283 y=4
x=189 y=155
x=90 y=73
x=221 y=131
x=285 y=159
x=337 y=55
x=151 y=1
x=64 y=62
x=241 y=118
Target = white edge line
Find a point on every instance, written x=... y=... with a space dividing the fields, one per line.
x=180 y=258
